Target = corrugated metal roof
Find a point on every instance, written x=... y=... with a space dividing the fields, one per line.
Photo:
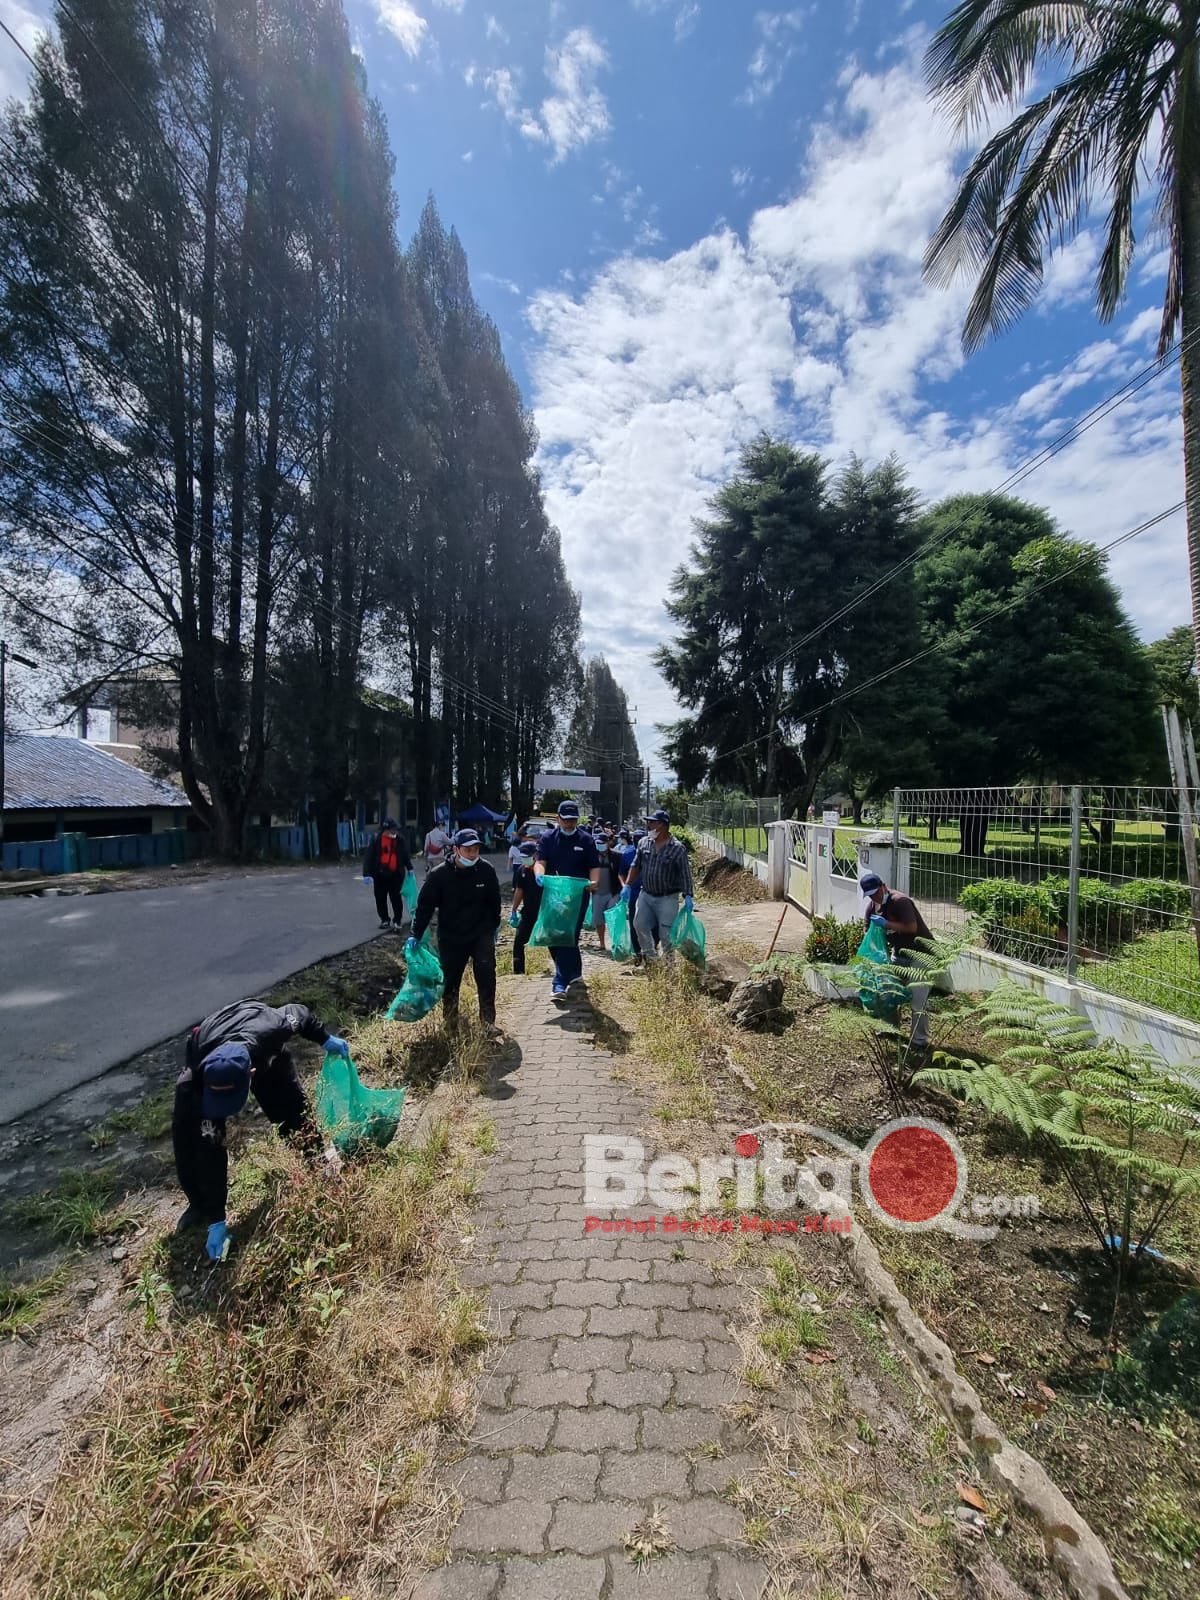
x=48 y=773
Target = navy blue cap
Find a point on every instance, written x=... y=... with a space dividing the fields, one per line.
x=528 y=847
x=659 y=816
x=465 y=836
x=869 y=882
x=568 y=809
x=226 y=1075
x=390 y=822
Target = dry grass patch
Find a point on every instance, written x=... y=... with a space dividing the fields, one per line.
x=272 y=1428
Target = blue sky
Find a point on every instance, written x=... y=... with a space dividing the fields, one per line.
x=692 y=219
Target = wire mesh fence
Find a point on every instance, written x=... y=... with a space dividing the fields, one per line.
x=736 y=820
x=1088 y=881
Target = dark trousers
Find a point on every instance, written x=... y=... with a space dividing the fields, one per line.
x=525 y=926
x=482 y=958
x=568 y=963
x=387 y=888
x=200 y=1160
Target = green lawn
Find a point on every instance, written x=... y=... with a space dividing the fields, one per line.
x=1159 y=969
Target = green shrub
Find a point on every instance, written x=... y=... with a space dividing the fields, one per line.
x=1148 y=895
x=1016 y=913
x=833 y=941
x=685 y=838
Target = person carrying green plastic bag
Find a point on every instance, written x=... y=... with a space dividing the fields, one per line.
x=567 y=868
x=662 y=871
x=894 y=931
x=422 y=987
x=353 y=1116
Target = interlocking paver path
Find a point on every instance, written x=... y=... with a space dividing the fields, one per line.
x=612 y=1394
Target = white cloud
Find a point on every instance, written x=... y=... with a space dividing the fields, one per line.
x=740 y=177
x=576 y=113
x=648 y=378
x=28 y=24
x=404 y=22
x=778 y=39
x=687 y=13
x=493 y=30
x=468 y=156
x=450 y=5
x=506 y=284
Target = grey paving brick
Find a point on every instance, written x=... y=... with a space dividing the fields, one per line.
x=668 y=1355
x=624 y=1271
x=648 y=1475
x=672 y=1577
x=559 y=1578
x=592 y=1354
x=554 y=1271
x=591 y=1526
x=495 y=1390
x=518 y=1296
x=479 y=1477
x=464 y=1580
x=568 y=1320
x=703 y=1521
x=525 y=1355
x=708 y=1389
x=655 y=1294
x=558 y=1475
x=724 y=1297
x=687 y=1271
x=518 y=1429
x=516 y=1525
x=695 y=1325
x=713 y=1476
x=621 y=1320
x=625 y=1389
x=599 y=1428
x=587 y=1294
x=684 y=1428
x=738 y=1577
x=552 y=1389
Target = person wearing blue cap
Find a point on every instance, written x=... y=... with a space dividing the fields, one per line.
x=662 y=869
x=903 y=926
x=566 y=851
x=233 y=1052
x=465 y=894
x=385 y=866
x=526 y=903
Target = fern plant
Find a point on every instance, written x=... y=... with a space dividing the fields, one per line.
x=1119 y=1124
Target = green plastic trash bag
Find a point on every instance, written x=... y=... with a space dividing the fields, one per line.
x=880 y=992
x=351 y=1115
x=688 y=937
x=408 y=892
x=422 y=987
x=557 y=922
x=620 y=939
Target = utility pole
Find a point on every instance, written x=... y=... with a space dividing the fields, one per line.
x=5 y=653
x=647 y=791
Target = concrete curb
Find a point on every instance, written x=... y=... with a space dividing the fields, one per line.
x=1072 y=1546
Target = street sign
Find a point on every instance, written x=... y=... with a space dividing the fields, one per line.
x=572 y=782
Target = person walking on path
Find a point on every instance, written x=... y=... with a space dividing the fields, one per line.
x=385 y=866
x=566 y=851
x=465 y=893
x=663 y=871
x=516 y=858
x=234 y=1051
x=610 y=888
x=527 y=902
x=903 y=926
x=437 y=843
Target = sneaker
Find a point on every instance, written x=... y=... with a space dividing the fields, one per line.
x=191 y=1218
x=557 y=990
x=385 y=923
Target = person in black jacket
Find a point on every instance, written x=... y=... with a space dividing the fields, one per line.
x=527 y=902
x=465 y=893
x=232 y=1052
x=385 y=866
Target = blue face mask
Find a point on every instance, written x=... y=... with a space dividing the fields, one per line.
x=462 y=861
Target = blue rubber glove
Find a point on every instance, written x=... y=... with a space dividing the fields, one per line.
x=366 y=879
x=878 y=922
x=218 y=1242
x=410 y=944
x=627 y=893
x=513 y=920
x=688 y=903
x=336 y=1046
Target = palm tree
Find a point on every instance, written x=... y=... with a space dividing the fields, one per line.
x=1124 y=112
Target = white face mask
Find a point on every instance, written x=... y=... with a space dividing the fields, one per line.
x=464 y=861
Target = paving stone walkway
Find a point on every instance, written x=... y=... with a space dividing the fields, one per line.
x=613 y=1393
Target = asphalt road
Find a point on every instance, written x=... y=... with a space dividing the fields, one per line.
x=89 y=981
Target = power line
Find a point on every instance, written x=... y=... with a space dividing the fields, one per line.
x=960 y=634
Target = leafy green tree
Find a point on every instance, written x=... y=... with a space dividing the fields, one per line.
x=601 y=740
x=758 y=659
x=1116 y=106
x=1173 y=663
x=1042 y=676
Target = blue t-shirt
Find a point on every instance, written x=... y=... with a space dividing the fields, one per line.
x=568 y=855
x=628 y=857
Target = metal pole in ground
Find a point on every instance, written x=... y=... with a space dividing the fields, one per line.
x=5 y=653
x=895 y=829
x=1073 y=882
x=1179 y=776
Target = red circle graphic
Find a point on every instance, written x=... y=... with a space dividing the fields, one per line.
x=746 y=1145
x=913 y=1174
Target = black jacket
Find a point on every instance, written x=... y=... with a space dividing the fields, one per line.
x=371 y=859
x=200 y=1159
x=467 y=902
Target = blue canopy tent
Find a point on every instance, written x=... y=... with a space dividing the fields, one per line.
x=478 y=816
